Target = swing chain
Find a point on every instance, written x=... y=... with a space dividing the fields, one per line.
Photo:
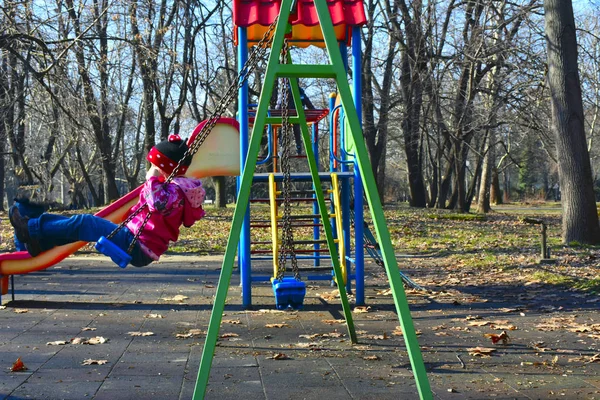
x=287 y=240
x=257 y=54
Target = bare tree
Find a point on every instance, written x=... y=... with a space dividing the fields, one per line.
x=580 y=215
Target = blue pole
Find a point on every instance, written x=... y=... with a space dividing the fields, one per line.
x=244 y=244
x=316 y=234
x=359 y=255
x=332 y=98
x=345 y=184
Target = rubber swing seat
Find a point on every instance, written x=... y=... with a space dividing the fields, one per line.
x=116 y=254
x=289 y=293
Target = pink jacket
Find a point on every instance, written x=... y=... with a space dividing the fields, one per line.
x=179 y=202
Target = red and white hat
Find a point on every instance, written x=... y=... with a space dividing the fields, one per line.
x=167 y=154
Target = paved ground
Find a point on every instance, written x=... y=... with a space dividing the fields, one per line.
x=552 y=351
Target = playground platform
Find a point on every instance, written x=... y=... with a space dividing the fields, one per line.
x=266 y=354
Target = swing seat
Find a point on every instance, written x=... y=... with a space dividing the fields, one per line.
x=116 y=254
x=289 y=293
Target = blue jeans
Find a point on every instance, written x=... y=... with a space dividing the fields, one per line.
x=56 y=230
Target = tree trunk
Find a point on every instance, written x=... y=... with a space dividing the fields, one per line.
x=220 y=191
x=483 y=204
x=495 y=191
x=579 y=212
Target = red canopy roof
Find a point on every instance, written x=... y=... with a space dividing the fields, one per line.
x=257 y=14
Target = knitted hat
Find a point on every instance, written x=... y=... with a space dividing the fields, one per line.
x=166 y=154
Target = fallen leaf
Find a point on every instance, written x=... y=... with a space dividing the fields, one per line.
x=479 y=323
x=232 y=321
x=190 y=333
x=282 y=325
x=334 y=321
x=18 y=366
x=278 y=356
x=371 y=358
x=57 y=343
x=21 y=310
x=228 y=335
x=377 y=337
x=178 y=297
x=138 y=333
x=398 y=332
x=480 y=351
x=361 y=309
x=92 y=341
x=88 y=329
x=89 y=361
x=159 y=316
x=97 y=340
x=503 y=336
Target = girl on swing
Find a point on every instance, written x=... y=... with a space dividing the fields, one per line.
x=172 y=205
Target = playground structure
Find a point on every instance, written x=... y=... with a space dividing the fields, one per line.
x=251 y=20
x=333 y=25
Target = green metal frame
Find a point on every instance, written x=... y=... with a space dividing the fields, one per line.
x=336 y=71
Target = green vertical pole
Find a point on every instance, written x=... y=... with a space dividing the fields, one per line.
x=375 y=206
x=323 y=210
x=238 y=216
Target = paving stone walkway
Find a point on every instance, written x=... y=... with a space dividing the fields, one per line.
x=153 y=320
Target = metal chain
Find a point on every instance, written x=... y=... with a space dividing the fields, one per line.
x=256 y=55
x=287 y=236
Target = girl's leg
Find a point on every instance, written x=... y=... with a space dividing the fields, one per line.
x=55 y=230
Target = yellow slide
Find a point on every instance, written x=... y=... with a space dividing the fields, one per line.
x=219 y=155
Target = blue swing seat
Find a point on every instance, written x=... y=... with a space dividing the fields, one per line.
x=116 y=254
x=289 y=293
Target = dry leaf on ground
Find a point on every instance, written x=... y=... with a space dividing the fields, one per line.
x=91 y=341
x=190 y=333
x=154 y=316
x=333 y=321
x=232 y=321
x=503 y=336
x=480 y=351
x=18 y=366
x=371 y=358
x=282 y=325
x=57 y=343
x=138 y=333
x=89 y=361
x=479 y=323
x=278 y=356
x=178 y=297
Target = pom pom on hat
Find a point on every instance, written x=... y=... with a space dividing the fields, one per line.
x=167 y=154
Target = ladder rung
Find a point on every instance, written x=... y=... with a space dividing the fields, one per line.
x=310 y=250
x=309 y=241
x=305 y=216
x=261 y=251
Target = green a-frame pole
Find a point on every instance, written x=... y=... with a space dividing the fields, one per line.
x=336 y=71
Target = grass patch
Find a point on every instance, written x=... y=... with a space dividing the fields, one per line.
x=457 y=216
x=591 y=285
